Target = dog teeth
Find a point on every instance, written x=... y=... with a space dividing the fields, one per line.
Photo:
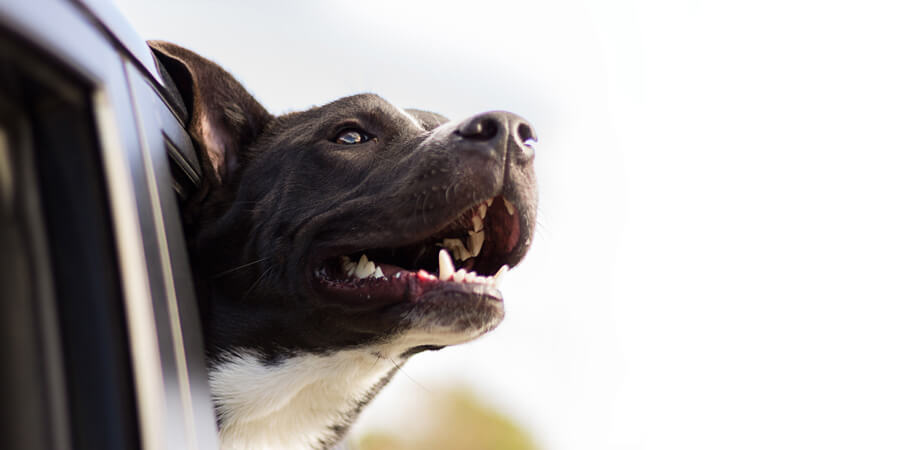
x=364 y=268
x=509 y=206
x=476 y=241
x=425 y=275
x=498 y=277
x=461 y=251
x=445 y=265
x=457 y=248
x=477 y=223
x=452 y=249
x=459 y=275
x=348 y=266
x=462 y=275
x=447 y=272
x=472 y=246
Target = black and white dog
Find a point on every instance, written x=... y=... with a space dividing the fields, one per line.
x=330 y=245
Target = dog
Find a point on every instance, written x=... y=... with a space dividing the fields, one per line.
x=332 y=244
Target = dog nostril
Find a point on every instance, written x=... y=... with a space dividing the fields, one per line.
x=526 y=134
x=479 y=128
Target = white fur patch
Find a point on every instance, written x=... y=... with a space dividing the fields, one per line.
x=295 y=403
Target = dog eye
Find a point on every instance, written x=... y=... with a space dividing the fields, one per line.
x=350 y=137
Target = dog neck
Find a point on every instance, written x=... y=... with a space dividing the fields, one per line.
x=304 y=402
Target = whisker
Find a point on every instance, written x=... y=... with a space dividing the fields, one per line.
x=400 y=369
x=242 y=266
x=255 y=283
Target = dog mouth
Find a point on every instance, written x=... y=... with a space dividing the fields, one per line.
x=467 y=257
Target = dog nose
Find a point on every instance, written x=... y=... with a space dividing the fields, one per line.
x=496 y=131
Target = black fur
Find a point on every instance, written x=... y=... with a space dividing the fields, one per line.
x=280 y=197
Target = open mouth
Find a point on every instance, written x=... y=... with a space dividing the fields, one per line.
x=467 y=256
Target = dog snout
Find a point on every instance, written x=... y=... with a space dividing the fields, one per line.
x=497 y=134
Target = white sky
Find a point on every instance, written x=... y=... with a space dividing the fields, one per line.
x=717 y=263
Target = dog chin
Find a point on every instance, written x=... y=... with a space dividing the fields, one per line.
x=451 y=322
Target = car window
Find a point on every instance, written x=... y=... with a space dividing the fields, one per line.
x=66 y=345
x=103 y=342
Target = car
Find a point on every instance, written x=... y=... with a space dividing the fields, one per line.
x=101 y=339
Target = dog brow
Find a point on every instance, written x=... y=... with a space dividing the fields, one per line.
x=410 y=117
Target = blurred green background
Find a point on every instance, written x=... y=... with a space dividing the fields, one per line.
x=451 y=419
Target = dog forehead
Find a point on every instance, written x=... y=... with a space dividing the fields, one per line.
x=371 y=105
x=369 y=109
x=374 y=103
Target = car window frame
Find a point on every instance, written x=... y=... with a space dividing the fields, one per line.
x=138 y=133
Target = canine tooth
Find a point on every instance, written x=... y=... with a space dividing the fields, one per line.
x=509 y=206
x=476 y=241
x=477 y=223
x=445 y=265
x=482 y=210
x=490 y=202
x=498 y=277
x=459 y=275
x=379 y=273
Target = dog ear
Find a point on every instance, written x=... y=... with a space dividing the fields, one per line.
x=224 y=119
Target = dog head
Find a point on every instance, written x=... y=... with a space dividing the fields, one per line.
x=351 y=223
